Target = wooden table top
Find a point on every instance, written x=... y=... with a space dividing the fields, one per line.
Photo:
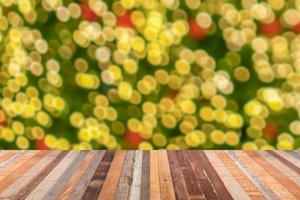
x=149 y=175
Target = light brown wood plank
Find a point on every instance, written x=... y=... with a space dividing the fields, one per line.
x=165 y=179
x=112 y=178
x=154 y=177
x=75 y=179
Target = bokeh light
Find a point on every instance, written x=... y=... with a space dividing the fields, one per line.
x=150 y=74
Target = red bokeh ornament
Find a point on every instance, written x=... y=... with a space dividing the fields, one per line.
x=271 y=29
x=125 y=20
x=88 y=13
x=132 y=139
x=40 y=144
x=270 y=131
x=296 y=28
x=196 y=31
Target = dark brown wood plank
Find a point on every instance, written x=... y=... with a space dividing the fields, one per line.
x=145 y=187
x=180 y=189
x=98 y=179
x=190 y=179
x=213 y=176
x=206 y=185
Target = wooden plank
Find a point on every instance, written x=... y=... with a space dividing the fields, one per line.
x=154 y=177
x=65 y=175
x=10 y=164
x=112 y=178
x=265 y=190
x=125 y=181
x=241 y=178
x=283 y=180
x=258 y=171
x=294 y=154
x=192 y=185
x=145 y=186
x=29 y=176
x=7 y=155
x=211 y=173
x=86 y=178
x=53 y=177
x=11 y=178
x=232 y=186
x=206 y=185
x=70 y=186
x=180 y=189
x=25 y=191
x=165 y=179
x=98 y=178
x=147 y=175
x=291 y=174
x=135 y=189
x=285 y=161
x=288 y=156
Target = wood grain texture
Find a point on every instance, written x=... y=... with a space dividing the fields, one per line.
x=112 y=178
x=231 y=184
x=177 y=177
x=69 y=187
x=122 y=192
x=145 y=175
x=240 y=176
x=189 y=176
x=165 y=179
x=154 y=176
x=135 y=189
x=27 y=189
x=280 y=191
x=145 y=185
x=98 y=178
x=85 y=180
